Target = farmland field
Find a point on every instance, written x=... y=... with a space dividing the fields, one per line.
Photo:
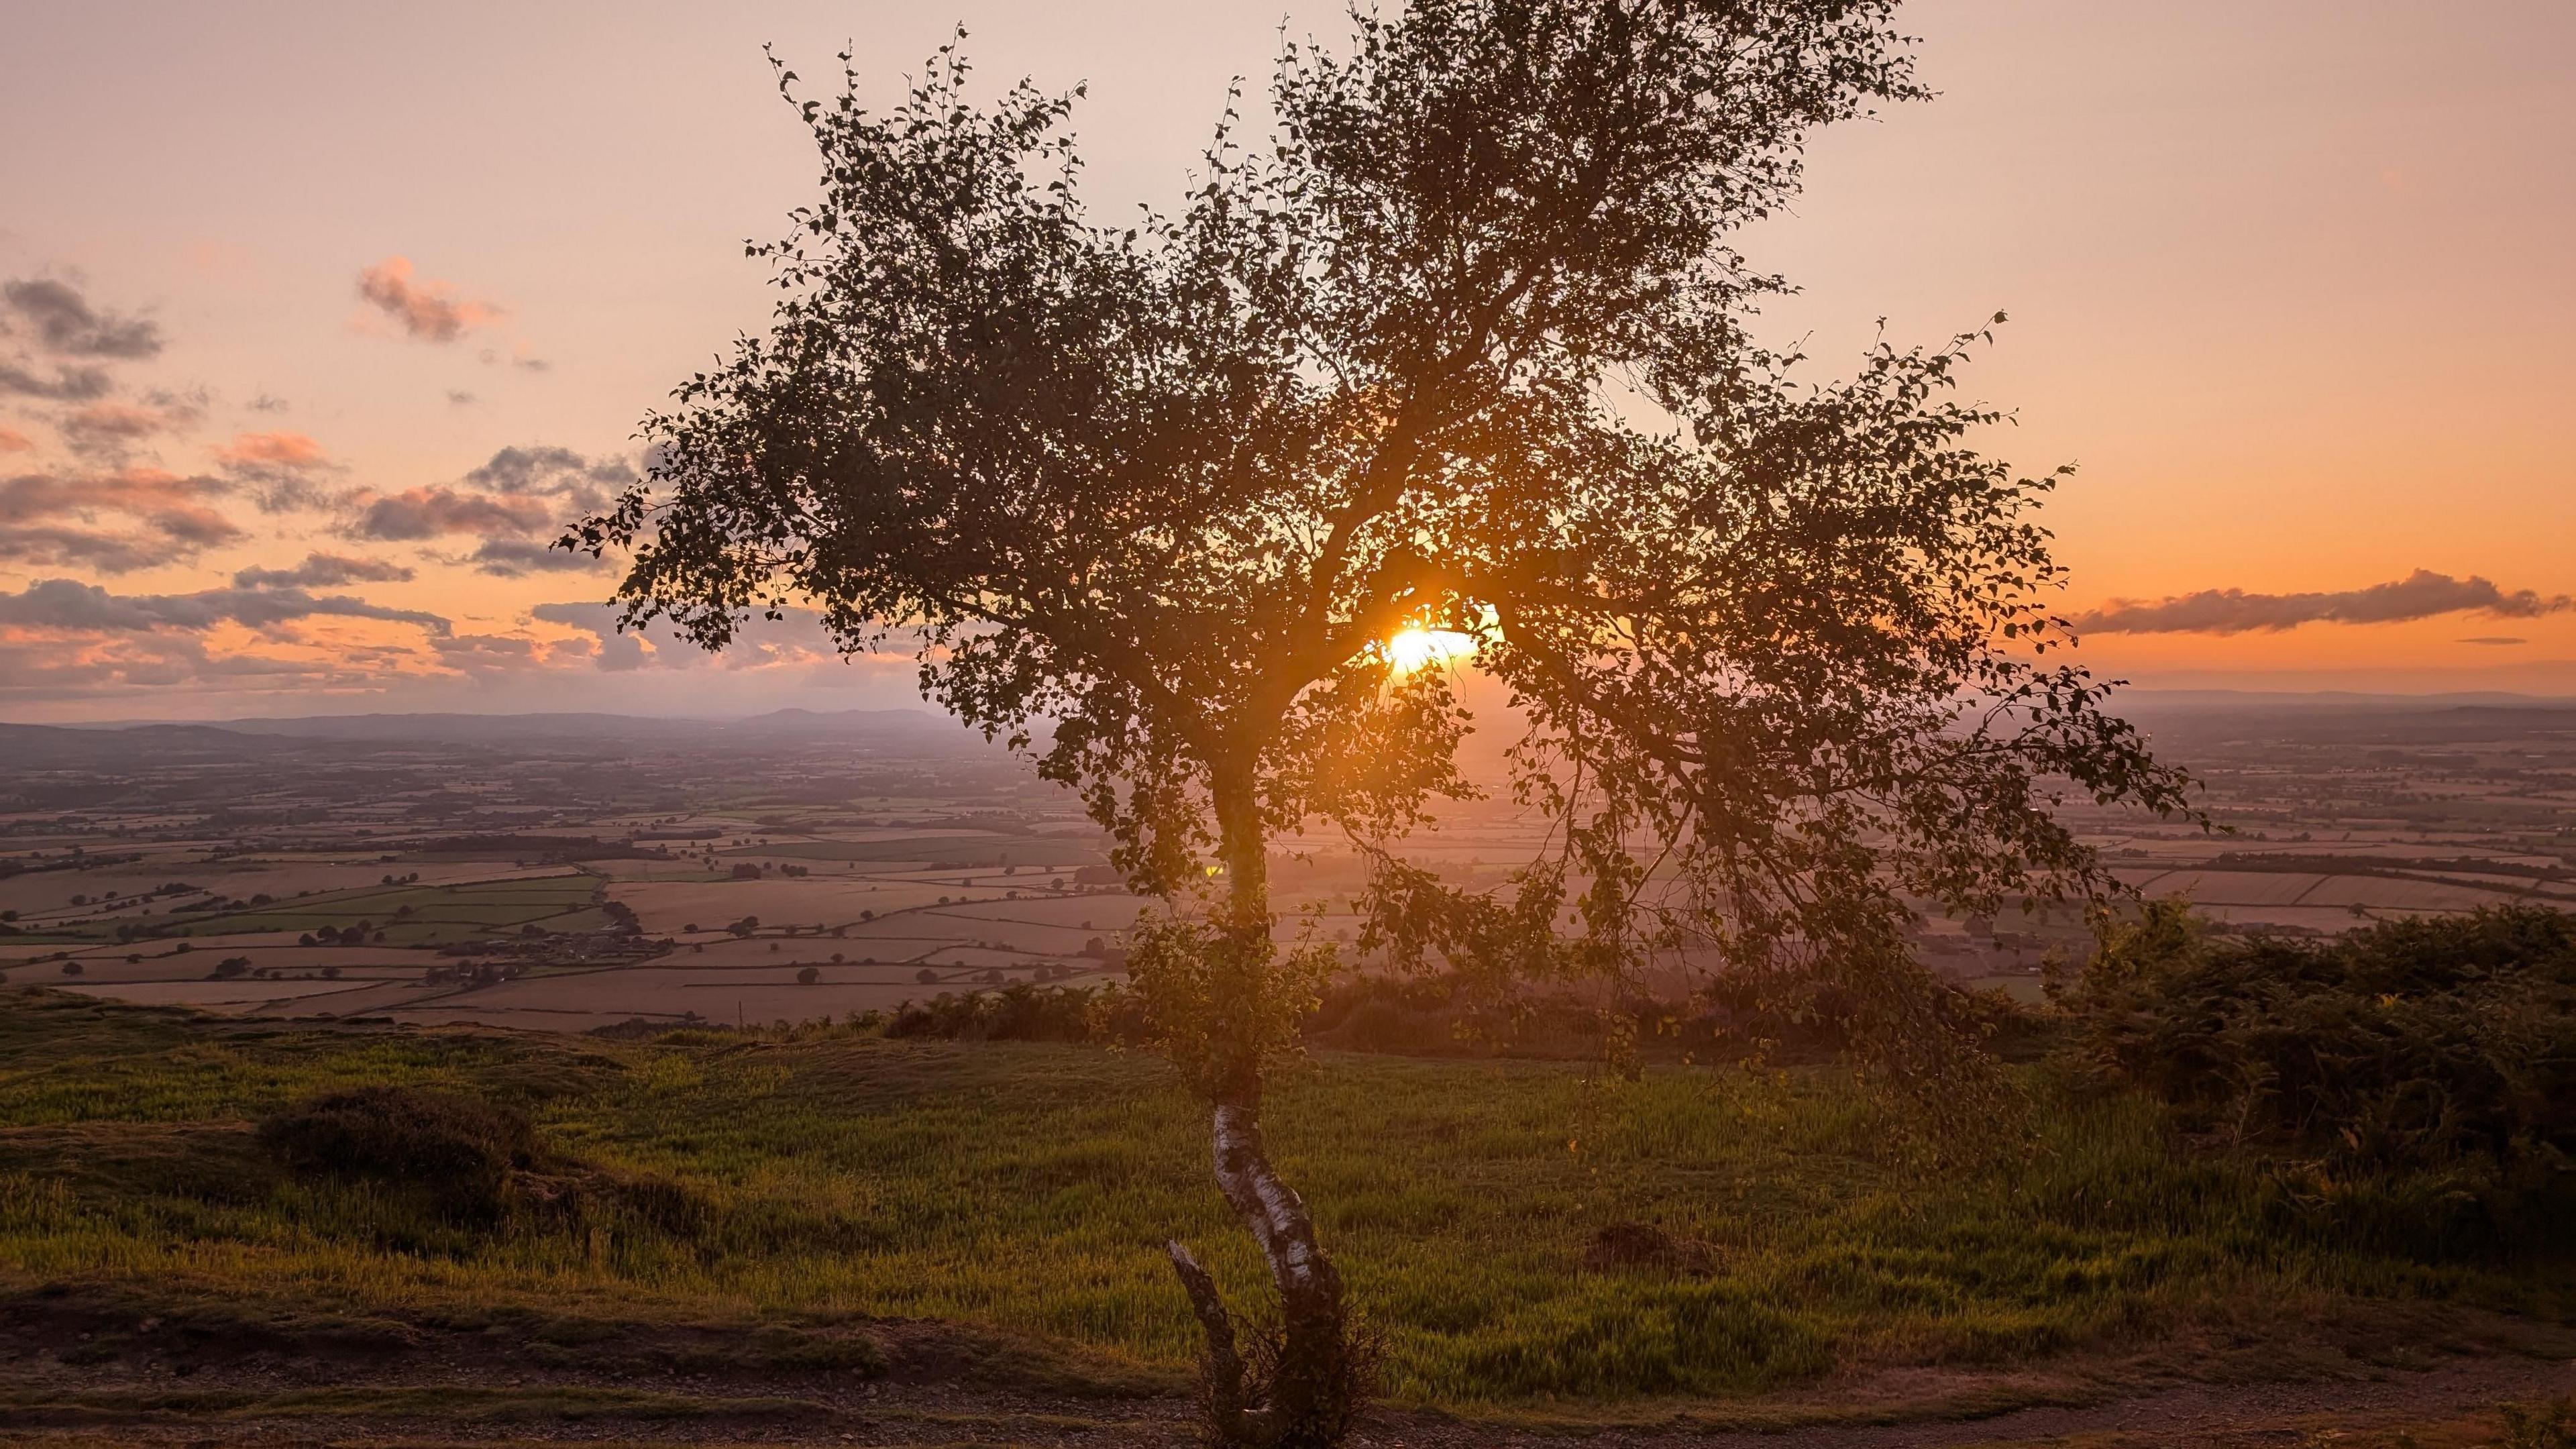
x=955 y=859
x=1003 y=1202
x=671 y=907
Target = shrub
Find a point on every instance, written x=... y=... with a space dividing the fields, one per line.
x=1630 y=1247
x=2414 y=1078
x=1020 y=1012
x=460 y=1153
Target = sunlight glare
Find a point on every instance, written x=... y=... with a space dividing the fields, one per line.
x=1414 y=648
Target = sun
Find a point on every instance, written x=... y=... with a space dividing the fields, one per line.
x=1414 y=648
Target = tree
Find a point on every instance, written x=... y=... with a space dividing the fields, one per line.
x=1462 y=345
x=808 y=975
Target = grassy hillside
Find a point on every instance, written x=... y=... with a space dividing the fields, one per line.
x=1517 y=1229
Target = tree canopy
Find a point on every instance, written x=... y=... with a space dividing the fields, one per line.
x=1455 y=338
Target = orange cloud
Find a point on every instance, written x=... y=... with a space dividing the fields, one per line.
x=272 y=450
x=286 y=470
x=32 y=496
x=176 y=521
x=13 y=441
x=427 y=310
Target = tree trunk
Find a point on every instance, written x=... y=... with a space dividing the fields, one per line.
x=1302 y=1399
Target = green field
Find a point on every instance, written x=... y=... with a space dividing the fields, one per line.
x=1028 y=1187
x=419 y=915
x=958 y=851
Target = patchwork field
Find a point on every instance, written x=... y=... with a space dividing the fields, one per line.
x=675 y=907
x=575 y=854
x=832 y=1197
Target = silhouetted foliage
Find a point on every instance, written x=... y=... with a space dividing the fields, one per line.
x=1461 y=345
x=1020 y=1012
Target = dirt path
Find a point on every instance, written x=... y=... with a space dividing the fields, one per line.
x=85 y=1372
x=2451 y=1405
x=2454 y=1397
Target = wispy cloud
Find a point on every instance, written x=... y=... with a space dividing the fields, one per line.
x=324 y=571
x=59 y=320
x=68 y=384
x=31 y=496
x=60 y=341
x=426 y=310
x=516 y=494
x=417 y=513
x=64 y=547
x=511 y=558
x=546 y=471
x=109 y=431
x=797 y=637
x=2420 y=595
x=38 y=666
x=272 y=450
x=68 y=639
x=53 y=518
x=70 y=604
x=288 y=470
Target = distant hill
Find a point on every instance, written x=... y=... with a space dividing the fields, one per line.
x=111 y=746
x=2194 y=717
x=2255 y=699
x=58 y=747
x=521 y=728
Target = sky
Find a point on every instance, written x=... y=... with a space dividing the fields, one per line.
x=317 y=320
